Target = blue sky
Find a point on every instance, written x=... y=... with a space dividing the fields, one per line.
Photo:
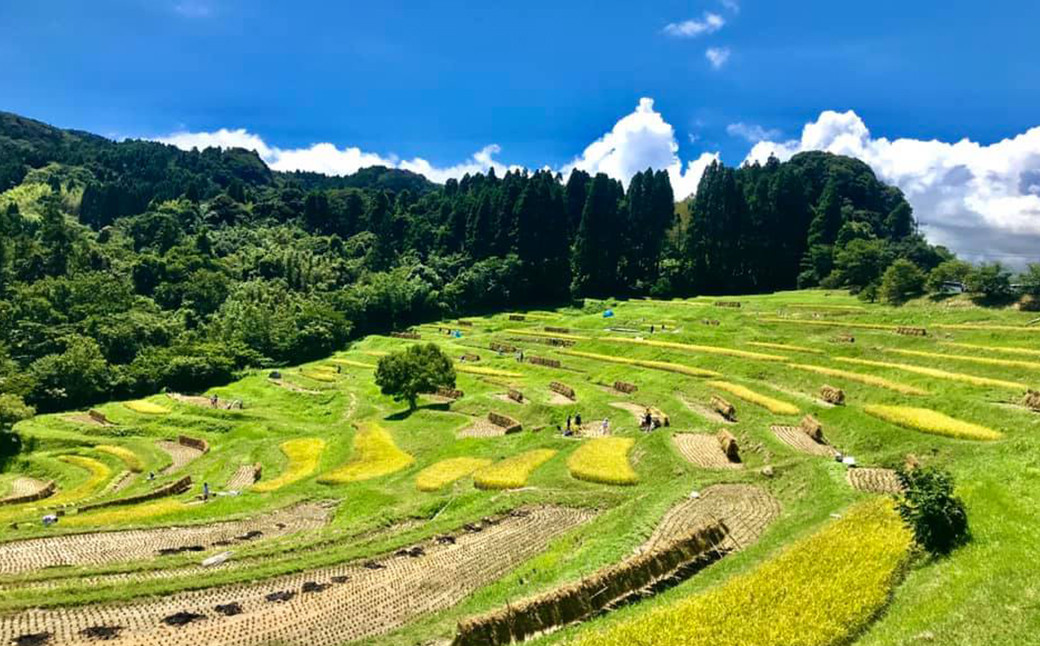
x=543 y=80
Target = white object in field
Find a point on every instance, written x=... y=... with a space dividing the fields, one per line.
x=695 y=495
x=49 y=520
x=849 y=461
x=216 y=559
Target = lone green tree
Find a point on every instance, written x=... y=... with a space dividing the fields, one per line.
x=928 y=506
x=901 y=281
x=420 y=368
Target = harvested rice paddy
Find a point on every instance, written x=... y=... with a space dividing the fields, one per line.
x=335 y=515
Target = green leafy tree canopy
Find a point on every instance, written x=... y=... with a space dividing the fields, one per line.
x=420 y=368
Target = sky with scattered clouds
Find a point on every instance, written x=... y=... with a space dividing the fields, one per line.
x=940 y=98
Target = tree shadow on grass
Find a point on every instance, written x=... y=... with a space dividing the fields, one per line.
x=406 y=413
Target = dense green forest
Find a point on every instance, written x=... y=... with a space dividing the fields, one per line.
x=130 y=266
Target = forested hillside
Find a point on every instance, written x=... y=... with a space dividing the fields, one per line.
x=129 y=266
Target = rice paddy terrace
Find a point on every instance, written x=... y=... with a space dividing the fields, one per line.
x=334 y=516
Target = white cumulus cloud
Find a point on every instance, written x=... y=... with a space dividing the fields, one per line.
x=709 y=24
x=641 y=140
x=717 y=56
x=982 y=201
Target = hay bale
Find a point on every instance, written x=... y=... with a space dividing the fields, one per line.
x=405 y=335
x=557 y=330
x=193 y=443
x=911 y=331
x=845 y=338
x=1033 y=400
x=625 y=387
x=469 y=356
x=464 y=323
x=517 y=317
x=515 y=395
x=729 y=446
x=734 y=304
x=504 y=421
x=450 y=393
x=812 y=428
x=542 y=361
x=98 y=417
x=502 y=347
x=563 y=389
x=723 y=407
x=832 y=395
x=712 y=322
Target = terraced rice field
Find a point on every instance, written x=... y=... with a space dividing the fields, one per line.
x=382 y=526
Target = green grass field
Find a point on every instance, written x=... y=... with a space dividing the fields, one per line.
x=371 y=451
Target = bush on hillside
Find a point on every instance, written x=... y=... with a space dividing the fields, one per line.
x=936 y=516
x=901 y=281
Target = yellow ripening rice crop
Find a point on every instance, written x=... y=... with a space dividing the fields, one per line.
x=145 y=407
x=938 y=374
x=604 y=460
x=511 y=473
x=547 y=335
x=989 y=361
x=443 y=473
x=870 y=380
x=995 y=328
x=851 y=324
x=1009 y=349
x=303 y=455
x=748 y=395
x=123 y=515
x=691 y=347
x=129 y=458
x=644 y=363
x=375 y=455
x=930 y=421
x=354 y=364
x=99 y=473
x=316 y=375
x=489 y=372
x=784 y=346
x=820 y=591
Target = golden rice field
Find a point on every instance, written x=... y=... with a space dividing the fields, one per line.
x=604 y=460
x=843 y=324
x=441 y=474
x=354 y=364
x=375 y=455
x=303 y=455
x=938 y=374
x=989 y=361
x=643 y=363
x=930 y=421
x=548 y=335
x=488 y=372
x=1007 y=349
x=869 y=380
x=145 y=407
x=784 y=346
x=319 y=375
x=513 y=472
x=129 y=458
x=98 y=474
x=125 y=515
x=769 y=403
x=693 y=347
x=820 y=591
